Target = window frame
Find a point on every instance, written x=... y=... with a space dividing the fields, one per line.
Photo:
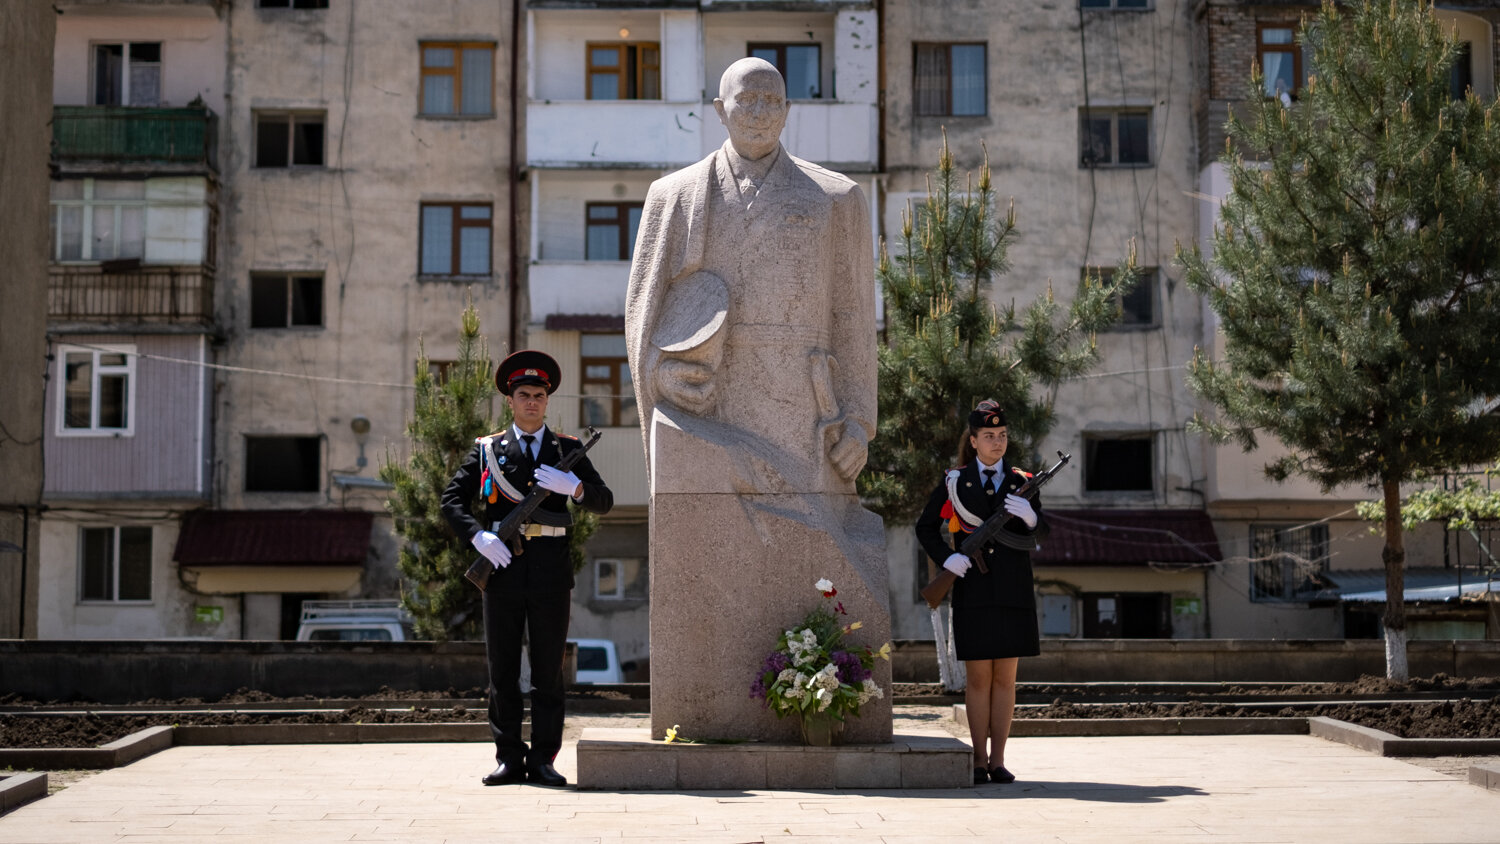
x=116 y=538
x=1277 y=535
x=1114 y=6
x=291 y=279
x=319 y=474
x=615 y=384
x=1148 y=284
x=1292 y=47
x=292 y=6
x=456 y=73
x=1090 y=458
x=621 y=223
x=88 y=203
x=620 y=70
x=293 y=117
x=619 y=595
x=125 y=64
x=781 y=47
x=984 y=74
x=458 y=224
x=1114 y=113
x=96 y=372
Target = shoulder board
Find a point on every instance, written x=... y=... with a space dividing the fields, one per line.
x=567 y=437
x=1021 y=473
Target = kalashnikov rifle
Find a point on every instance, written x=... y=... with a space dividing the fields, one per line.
x=509 y=529
x=994 y=530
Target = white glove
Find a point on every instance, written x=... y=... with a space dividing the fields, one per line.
x=492 y=548
x=552 y=479
x=1021 y=509
x=957 y=563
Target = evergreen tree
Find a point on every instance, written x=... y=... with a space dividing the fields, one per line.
x=1355 y=267
x=447 y=417
x=948 y=346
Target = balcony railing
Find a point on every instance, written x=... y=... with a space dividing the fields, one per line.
x=152 y=294
x=122 y=135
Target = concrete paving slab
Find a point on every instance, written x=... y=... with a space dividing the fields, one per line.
x=1082 y=789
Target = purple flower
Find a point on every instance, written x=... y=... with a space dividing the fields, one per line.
x=850 y=670
x=776 y=662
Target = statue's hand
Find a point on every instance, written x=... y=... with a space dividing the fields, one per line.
x=690 y=386
x=850 y=452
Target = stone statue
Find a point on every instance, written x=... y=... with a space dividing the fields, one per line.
x=750 y=325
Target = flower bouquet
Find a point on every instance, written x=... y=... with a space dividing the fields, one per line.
x=813 y=674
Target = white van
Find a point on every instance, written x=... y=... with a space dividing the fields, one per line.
x=598 y=662
x=354 y=621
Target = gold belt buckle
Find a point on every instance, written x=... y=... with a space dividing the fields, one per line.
x=532 y=530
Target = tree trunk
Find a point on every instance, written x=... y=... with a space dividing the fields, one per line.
x=1394 y=557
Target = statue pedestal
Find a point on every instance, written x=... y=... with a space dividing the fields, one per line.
x=628 y=760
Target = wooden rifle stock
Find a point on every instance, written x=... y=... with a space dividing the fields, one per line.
x=509 y=529
x=993 y=528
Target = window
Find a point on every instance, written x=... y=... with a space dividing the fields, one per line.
x=455 y=238
x=96 y=220
x=289 y=139
x=1114 y=138
x=292 y=4
x=611 y=230
x=799 y=65
x=1280 y=60
x=283 y=464
x=1461 y=75
x=1138 y=307
x=624 y=71
x=949 y=79
x=1121 y=463
x=114 y=564
x=621 y=579
x=608 y=398
x=283 y=301
x=127 y=74
x=1115 y=4
x=97 y=395
x=458 y=79
x=1288 y=563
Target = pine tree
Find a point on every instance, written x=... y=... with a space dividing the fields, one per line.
x=1355 y=267
x=446 y=419
x=948 y=346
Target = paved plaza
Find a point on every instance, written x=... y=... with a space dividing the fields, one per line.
x=1117 y=789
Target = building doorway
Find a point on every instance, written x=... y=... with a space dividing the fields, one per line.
x=1127 y=615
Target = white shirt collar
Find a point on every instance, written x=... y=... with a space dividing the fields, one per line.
x=997 y=468
x=518 y=434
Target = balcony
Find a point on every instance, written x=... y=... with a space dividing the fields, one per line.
x=570 y=287
x=116 y=293
x=119 y=138
x=615 y=133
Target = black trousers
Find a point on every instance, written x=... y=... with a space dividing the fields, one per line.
x=543 y=618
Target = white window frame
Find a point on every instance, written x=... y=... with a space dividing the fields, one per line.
x=88 y=204
x=114 y=568
x=96 y=372
x=125 y=99
x=619 y=592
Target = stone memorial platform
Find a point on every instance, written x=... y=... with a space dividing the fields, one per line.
x=628 y=760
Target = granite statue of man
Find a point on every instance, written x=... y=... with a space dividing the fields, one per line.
x=750 y=326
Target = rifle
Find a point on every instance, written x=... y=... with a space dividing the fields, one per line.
x=509 y=529
x=993 y=529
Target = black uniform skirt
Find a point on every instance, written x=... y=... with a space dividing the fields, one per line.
x=995 y=632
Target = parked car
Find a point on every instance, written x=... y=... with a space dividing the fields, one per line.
x=598 y=661
x=354 y=621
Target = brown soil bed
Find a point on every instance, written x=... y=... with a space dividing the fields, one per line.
x=1473 y=711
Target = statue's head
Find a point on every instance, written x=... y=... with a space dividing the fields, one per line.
x=752 y=105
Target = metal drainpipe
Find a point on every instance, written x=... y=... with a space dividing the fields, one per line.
x=515 y=174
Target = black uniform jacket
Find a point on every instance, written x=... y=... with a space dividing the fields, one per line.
x=544 y=565
x=1008 y=583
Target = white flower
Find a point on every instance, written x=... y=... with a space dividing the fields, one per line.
x=824 y=585
x=788 y=675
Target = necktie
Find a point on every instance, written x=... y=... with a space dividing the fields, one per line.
x=989 y=480
x=529 y=439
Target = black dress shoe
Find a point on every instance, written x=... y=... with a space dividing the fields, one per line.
x=1001 y=775
x=981 y=776
x=505 y=774
x=545 y=774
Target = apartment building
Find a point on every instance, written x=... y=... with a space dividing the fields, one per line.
x=617 y=95
x=1293 y=553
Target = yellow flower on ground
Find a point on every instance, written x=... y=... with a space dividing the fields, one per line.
x=672 y=734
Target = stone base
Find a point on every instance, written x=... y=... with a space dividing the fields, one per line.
x=628 y=760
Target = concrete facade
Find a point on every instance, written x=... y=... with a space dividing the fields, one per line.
x=26 y=36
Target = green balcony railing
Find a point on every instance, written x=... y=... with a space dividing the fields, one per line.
x=125 y=135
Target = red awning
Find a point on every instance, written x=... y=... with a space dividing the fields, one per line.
x=1127 y=538
x=274 y=537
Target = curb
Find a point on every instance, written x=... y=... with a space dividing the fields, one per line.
x=1385 y=744
x=1485 y=776
x=17 y=789
x=335 y=733
x=1099 y=727
x=116 y=753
